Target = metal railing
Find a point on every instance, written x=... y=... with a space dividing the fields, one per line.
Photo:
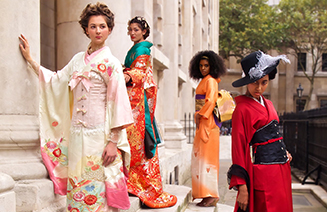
x=305 y=136
x=189 y=127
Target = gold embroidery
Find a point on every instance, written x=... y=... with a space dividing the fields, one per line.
x=199 y=104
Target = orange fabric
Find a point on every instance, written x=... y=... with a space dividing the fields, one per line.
x=205 y=154
x=144 y=178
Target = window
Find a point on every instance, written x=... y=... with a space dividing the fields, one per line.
x=324 y=62
x=301 y=61
x=300 y=103
x=323 y=103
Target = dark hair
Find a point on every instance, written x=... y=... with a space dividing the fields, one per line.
x=142 y=24
x=96 y=9
x=272 y=74
x=217 y=65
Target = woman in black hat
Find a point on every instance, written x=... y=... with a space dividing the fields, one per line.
x=263 y=180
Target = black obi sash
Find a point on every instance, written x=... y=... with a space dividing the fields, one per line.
x=268 y=146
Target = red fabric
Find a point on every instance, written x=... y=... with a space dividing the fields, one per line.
x=144 y=178
x=270 y=185
x=254 y=146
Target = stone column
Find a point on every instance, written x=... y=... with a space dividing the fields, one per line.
x=71 y=38
x=19 y=141
x=173 y=136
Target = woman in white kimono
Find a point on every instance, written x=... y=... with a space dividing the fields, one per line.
x=84 y=110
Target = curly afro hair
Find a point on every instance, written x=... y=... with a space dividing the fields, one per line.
x=217 y=65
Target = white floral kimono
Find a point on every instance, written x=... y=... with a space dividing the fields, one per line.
x=79 y=105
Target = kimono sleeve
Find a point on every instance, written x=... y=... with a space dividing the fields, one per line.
x=54 y=116
x=138 y=70
x=239 y=146
x=119 y=112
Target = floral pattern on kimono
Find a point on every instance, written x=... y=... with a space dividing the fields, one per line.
x=73 y=138
x=144 y=176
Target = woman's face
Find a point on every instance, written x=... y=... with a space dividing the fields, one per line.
x=98 y=30
x=136 y=33
x=256 y=88
x=204 y=67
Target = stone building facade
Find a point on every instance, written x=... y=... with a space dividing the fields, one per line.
x=179 y=28
x=283 y=89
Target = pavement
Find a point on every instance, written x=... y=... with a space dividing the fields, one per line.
x=306 y=198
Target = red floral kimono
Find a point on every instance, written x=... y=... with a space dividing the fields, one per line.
x=269 y=186
x=144 y=175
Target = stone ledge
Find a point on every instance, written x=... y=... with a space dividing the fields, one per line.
x=219 y=208
x=317 y=191
x=38 y=195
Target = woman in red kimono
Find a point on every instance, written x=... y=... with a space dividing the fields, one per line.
x=263 y=177
x=144 y=176
x=207 y=66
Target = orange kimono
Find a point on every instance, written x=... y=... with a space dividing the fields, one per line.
x=205 y=154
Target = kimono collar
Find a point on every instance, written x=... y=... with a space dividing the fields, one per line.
x=142 y=48
x=260 y=102
x=145 y=44
x=209 y=76
x=89 y=57
x=97 y=64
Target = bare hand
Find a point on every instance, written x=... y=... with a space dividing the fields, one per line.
x=243 y=197
x=197 y=120
x=127 y=78
x=25 y=48
x=109 y=154
x=289 y=156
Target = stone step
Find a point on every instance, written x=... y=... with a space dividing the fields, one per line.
x=38 y=195
x=183 y=194
x=219 y=207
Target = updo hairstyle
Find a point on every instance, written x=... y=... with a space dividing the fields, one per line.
x=142 y=24
x=96 y=10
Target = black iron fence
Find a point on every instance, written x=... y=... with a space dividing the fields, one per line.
x=189 y=127
x=305 y=135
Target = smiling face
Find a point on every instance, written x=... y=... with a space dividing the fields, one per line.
x=136 y=33
x=256 y=88
x=204 y=67
x=98 y=30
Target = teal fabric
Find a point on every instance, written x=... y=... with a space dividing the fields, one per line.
x=148 y=126
x=142 y=48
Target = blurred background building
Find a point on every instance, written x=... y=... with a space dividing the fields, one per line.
x=289 y=91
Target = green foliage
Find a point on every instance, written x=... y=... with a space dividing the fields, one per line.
x=247 y=26
x=305 y=24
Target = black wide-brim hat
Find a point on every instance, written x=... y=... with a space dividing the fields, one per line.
x=257 y=65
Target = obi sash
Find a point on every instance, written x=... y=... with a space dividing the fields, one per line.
x=199 y=102
x=268 y=146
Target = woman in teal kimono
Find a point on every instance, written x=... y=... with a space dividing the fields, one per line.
x=144 y=178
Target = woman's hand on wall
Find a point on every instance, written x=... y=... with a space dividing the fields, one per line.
x=25 y=49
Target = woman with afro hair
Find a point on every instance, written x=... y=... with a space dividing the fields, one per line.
x=207 y=66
